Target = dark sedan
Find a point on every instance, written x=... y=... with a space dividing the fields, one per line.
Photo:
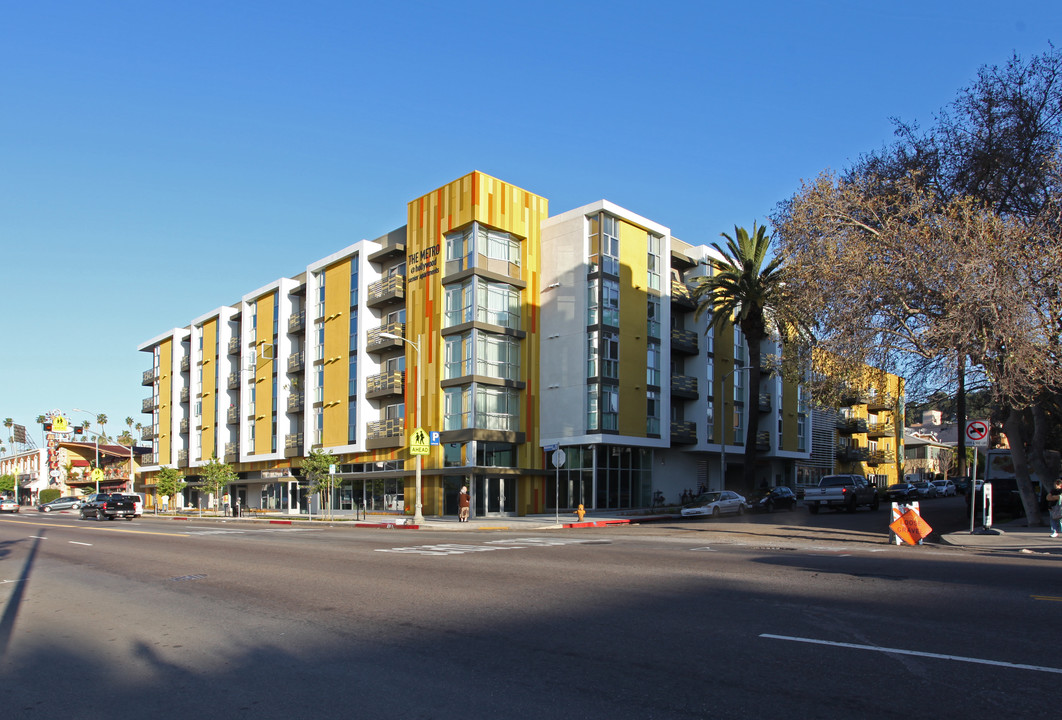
x=777 y=498
x=902 y=493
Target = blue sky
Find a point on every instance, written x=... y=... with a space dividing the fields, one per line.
x=158 y=160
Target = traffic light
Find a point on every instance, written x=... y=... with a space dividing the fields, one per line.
x=48 y=426
x=78 y=429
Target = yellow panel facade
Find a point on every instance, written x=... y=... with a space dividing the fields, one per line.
x=336 y=353
x=634 y=318
x=209 y=389
x=263 y=376
x=165 y=410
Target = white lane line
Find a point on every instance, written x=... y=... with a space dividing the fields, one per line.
x=37 y=537
x=75 y=542
x=896 y=651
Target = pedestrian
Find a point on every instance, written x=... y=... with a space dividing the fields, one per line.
x=463 y=503
x=1054 y=507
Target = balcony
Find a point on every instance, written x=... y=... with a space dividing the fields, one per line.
x=297 y=362
x=851 y=453
x=763 y=441
x=293 y=445
x=186 y=363
x=297 y=322
x=385 y=384
x=382 y=429
x=683 y=432
x=680 y=296
x=185 y=394
x=184 y=426
x=684 y=342
x=881 y=429
x=149 y=377
x=233 y=381
x=182 y=458
x=150 y=459
x=148 y=405
x=389 y=290
x=765 y=402
x=848 y=426
x=881 y=401
x=232 y=416
x=295 y=402
x=148 y=433
x=375 y=343
x=234 y=346
x=232 y=452
x=880 y=457
x=684 y=386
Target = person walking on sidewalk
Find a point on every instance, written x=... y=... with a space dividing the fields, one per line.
x=1054 y=507
x=463 y=504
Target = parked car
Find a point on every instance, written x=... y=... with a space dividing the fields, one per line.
x=902 y=492
x=8 y=505
x=63 y=503
x=714 y=504
x=775 y=498
x=945 y=488
x=962 y=484
x=926 y=490
x=839 y=492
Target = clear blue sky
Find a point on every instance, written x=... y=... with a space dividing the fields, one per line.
x=158 y=160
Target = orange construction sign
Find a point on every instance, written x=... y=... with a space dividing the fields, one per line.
x=910 y=527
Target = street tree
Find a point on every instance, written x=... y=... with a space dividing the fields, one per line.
x=216 y=476
x=315 y=470
x=169 y=482
x=745 y=288
x=7 y=483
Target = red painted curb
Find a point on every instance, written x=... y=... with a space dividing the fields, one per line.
x=280 y=522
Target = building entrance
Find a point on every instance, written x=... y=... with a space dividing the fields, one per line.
x=495 y=496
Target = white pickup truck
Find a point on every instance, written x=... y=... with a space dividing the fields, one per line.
x=842 y=492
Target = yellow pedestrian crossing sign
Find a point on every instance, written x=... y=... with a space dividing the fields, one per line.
x=418 y=442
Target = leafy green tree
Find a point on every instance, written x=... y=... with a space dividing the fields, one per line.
x=216 y=476
x=7 y=483
x=315 y=470
x=169 y=482
x=746 y=289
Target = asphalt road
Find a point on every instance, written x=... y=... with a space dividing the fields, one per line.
x=778 y=615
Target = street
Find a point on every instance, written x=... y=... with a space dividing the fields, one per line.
x=782 y=615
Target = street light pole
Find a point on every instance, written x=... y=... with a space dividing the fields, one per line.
x=418 y=516
x=96 y=441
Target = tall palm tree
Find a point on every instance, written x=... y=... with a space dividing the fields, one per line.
x=745 y=289
x=8 y=422
x=101 y=420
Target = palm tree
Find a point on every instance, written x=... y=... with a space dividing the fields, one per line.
x=101 y=420
x=745 y=289
x=8 y=422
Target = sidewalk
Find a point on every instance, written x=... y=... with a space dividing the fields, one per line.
x=1013 y=536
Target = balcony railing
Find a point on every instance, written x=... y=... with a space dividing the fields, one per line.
x=184 y=426
x=232 y=416
x=232 y=451
x=851 y=453
x=683 y=432
x=148 y=405
x=390 y=289
x=765 y=402
x=374 y=342
x=684 y=386
x=878 y=457
x=763 y=441
x=389 y=383
x=149 y=377
x=186 y=363
x=185 y=394
x=297 y=322
x=378 y=429
x=881 y=429
x=295 y=402
x=880 y=401
x=680 y=295
x=293 y=445
x=234 y=346
x=684 y=341
x=182 y=458
x=147 y=433
x=847 y=426
x=297 y=361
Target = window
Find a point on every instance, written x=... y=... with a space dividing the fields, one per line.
x=497 y=409
x=464 y=245
x=319 y=308
x=352 y=376
x=458 y=356
x=654 y=263
x=459 y=301
x=497 y=356
x=593 y=301
x=653 y=313
x=652 y=363
x=395 y=412
x=497 y=304
x=318 y=426
x=610 y=302
x=456 y=409
x=493 y=454
x=609 y=407
x=603 y=355
x=352 y=422
x=354 y=281
x=498 y=245
x=593 y=394
x=609 y=245
x=353 y=346
x=459 y=248
x=652 y=412
x=318 y=385
x=802 y=433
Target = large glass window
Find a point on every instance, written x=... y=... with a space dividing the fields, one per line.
x=610 y=244
x=459 y=247
x=456 y=408
x=654 y=262
x=354 y=281
x=652 y=363
x=602 y=355
x=352 y=422
x=497 y=356
x=464 y=245
x=593 y=301
x=652 y=412
x=497 y=304
x=653 y=328
x=610 y=302
x=497 y=409
x=458 y=360
x=459 y=304
x=498 y=245
x=609 y=407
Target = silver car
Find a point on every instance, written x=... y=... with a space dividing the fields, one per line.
x=715 y=503
x=63 y=503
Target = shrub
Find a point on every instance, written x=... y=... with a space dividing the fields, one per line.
x=48 y=494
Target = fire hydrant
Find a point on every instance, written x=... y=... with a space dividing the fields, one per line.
x=580 y=512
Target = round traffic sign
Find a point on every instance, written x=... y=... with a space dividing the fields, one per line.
x=559 y=457
x=977 y=431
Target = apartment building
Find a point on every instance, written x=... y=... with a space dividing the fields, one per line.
x=501 y=332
